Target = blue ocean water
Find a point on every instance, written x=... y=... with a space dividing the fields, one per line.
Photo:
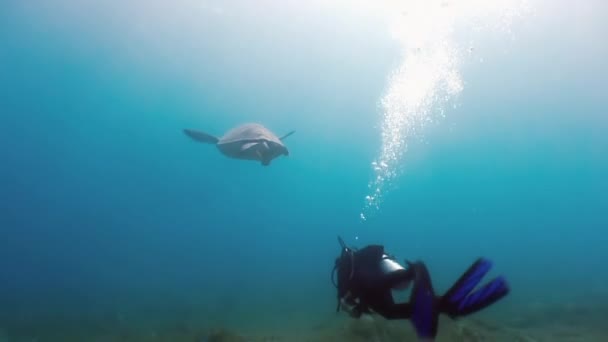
x=107 y=207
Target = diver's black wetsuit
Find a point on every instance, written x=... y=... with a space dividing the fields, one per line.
x=366 y=278
x=367 y=283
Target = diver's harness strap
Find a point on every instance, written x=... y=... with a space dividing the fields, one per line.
x=347 y=252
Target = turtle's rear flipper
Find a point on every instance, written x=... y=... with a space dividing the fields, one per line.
x=201 y=136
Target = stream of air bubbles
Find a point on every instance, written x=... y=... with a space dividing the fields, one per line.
x=428 y=77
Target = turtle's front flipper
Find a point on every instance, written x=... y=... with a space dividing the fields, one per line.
x=201 y=136
x=286 y=135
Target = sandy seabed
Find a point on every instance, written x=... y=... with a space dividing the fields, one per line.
x=529 y=323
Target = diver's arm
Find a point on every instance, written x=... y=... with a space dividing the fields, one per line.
x=353 y=306
x=353 y=310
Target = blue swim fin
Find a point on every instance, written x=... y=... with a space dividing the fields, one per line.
x=460 y=301
x=425 y=310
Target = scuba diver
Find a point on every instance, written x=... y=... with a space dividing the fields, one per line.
x=366 y=277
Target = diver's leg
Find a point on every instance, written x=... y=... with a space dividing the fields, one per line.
x=383 y=304
x=422 y=309
x=395 y=311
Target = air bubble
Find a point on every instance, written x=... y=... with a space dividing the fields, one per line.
x=427 y=79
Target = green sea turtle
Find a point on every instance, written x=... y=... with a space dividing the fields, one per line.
x=250 y=141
